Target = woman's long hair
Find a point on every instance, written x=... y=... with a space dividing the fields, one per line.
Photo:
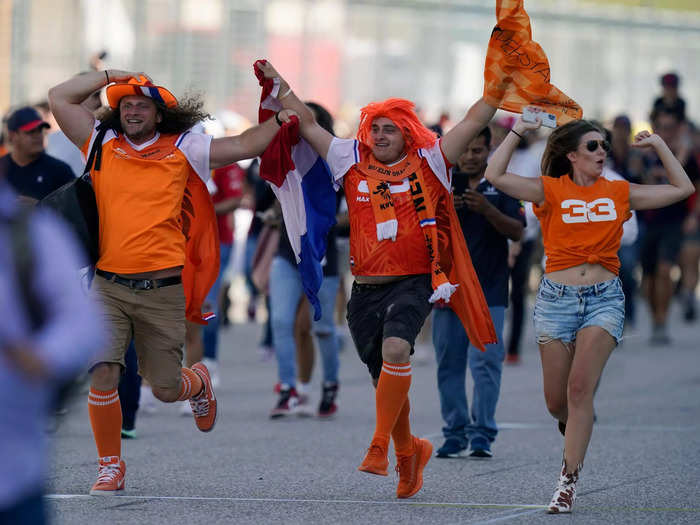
x=188 y=112
x=563 y=140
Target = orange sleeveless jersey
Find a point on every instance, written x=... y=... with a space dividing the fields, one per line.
x=139 y=196
x=582 y=223
x=408 y=255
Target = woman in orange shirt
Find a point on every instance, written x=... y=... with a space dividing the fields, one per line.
x=579 y=311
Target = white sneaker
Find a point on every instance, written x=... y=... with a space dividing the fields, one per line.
x=213 y=367
x=303 y=407
x=148 y=403
x=565 y=493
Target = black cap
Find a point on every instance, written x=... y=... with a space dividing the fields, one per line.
x=26 y=119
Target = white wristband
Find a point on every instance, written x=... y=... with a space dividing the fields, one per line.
x=285 y=94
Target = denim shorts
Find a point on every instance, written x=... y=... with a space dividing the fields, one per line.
x=562 y=310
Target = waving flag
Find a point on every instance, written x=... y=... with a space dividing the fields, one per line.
x=517 y=73
x=302 y=182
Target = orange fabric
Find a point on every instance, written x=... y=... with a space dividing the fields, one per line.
x=3 y=150
x=139 y=198
x=582 y=223
x=390 y=397
x=202 y=255
x=517 y=71
x=105 y=413
x=380 y=198
x=401 y=433
x=401 y=112
x=140 y=87
x=190 y=386
x=156 y=213
x=405 y=256
x=408 y=254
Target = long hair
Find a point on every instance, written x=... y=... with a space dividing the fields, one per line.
x=563 y=140
x=188 y=112
x=400 y=111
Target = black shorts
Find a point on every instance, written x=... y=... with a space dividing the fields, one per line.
x=660 y=244
x=377 y=311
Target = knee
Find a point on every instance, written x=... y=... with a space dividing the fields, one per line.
x=166 y=395
x=557 y=407
x=105 y=376
x=579 y=392
x=395 y=350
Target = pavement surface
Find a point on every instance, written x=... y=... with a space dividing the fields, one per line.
x=643 y=463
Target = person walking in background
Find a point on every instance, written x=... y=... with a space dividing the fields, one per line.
x=397 y=182
x=525 y=162
x=579 y=312
x=50 y=331
x=662 y=238
x=145 y=224
x=228 y=182
x=489 y=219
x=288 y=302
x=29 y=170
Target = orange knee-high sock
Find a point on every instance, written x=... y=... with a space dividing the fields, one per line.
x=190 y=386
x=401 y=434
x=391 y=395
x=106 y=420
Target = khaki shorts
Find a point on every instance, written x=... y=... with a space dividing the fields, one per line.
x=155 y=319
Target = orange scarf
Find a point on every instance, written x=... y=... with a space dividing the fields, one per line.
x=517 y=72
x=378 y=177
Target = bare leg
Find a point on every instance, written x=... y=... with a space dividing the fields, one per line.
x=556 y=357
x=593 y=348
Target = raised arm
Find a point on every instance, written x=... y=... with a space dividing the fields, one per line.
x=319 y=138
x=648 y=196
x=65 y=101
x=521 y=188
x=251 y=143
x=456 y=140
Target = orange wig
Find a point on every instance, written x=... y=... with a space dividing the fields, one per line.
x=400 y=111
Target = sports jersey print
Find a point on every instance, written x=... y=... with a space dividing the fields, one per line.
x=407 y=255
x=582 y=223
x=139 y=192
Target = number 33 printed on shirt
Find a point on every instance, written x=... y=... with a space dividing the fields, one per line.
x=599 y=210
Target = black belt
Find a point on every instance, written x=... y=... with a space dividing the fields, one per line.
x=140 y=284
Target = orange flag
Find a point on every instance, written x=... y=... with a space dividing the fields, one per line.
x=517 y=70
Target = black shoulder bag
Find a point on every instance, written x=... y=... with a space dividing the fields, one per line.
x=75 y=202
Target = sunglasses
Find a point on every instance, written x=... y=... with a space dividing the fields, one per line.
x=592 y=145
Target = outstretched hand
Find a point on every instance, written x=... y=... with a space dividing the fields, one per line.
x=269 y=71
x=646 y=139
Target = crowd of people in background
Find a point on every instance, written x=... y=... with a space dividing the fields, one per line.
x=659 y=257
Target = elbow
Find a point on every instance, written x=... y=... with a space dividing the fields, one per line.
x=688 y=190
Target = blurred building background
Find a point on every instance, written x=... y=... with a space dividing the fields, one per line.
x=607 y=55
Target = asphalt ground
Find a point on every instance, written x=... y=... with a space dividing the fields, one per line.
x=643 y=463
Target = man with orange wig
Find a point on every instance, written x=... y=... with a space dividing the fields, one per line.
x=404 y=253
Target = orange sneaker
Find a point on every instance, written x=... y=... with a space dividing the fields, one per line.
x=410 y=468
x=204 y=405
x=376 y=460
x=110 y=477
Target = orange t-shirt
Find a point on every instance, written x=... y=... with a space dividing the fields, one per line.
x=408 y=254
x=139 y=197
x=582 y=223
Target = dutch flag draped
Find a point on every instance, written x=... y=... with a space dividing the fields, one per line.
x=302 y=183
